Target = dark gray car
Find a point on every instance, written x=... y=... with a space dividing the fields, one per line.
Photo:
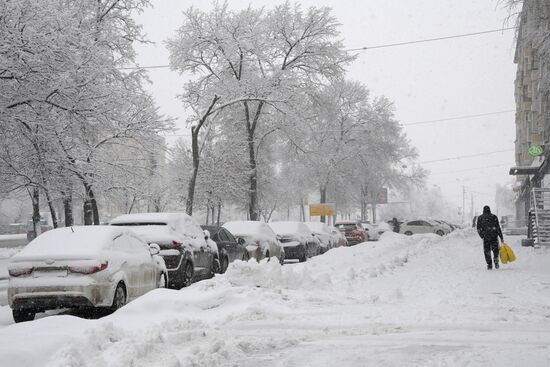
x=229 y=248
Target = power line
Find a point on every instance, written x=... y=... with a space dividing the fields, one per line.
x=145 y=67
x=471 y=169
x=467 y=156
x=364 y=48
x=482 y=177
x=432 y=39
x=457 y=118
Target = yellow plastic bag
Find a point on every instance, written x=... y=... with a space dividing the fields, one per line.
x=503 y=254
x=509 y=252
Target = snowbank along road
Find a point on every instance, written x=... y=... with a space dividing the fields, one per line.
x=403 y=301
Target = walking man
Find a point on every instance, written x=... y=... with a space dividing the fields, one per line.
x=489 y=230
x=396 y=225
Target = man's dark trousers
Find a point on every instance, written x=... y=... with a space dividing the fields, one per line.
x=489 y=245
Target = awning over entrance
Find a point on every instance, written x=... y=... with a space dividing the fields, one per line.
x=524 y=170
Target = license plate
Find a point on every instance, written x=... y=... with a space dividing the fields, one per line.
x=49 y=273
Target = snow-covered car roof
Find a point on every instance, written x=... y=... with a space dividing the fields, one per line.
x=288 y=228
x=176 y=221
x=153 y=218
x=318 y=227
x=78 y=242
x=250 y=228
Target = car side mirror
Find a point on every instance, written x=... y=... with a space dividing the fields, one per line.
x=154 y=249
x=241 y=241
x=206 y=234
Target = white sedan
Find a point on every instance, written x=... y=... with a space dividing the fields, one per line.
x=82 y=267
x=422 y=226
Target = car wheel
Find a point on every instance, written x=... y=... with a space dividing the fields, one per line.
x=439 y=232
x=303 y=258
x=246 y=256
x=163 y=281
x=267 y=256
x=282 y=258
x=23 y=315
x=187 y=275
x=224 y=264
x=119 y=298
x=408 y=233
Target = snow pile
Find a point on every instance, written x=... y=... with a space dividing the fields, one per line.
x=422 y=300
x=268 y=275
x=6 y=253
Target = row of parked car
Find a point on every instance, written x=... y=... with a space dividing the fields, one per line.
x=104 y=267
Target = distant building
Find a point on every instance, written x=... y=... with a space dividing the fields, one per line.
x=532 y=148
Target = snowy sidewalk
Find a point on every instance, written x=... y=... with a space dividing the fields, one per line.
x=407 y=301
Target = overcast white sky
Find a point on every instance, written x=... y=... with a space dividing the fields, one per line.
x=427 y=81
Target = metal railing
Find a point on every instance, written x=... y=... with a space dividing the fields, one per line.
x=540 y=203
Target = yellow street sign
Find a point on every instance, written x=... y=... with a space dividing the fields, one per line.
x=318 y=210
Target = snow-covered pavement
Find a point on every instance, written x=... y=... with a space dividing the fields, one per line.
x=402 y=301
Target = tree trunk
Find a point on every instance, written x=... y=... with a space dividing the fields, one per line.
x=88 y=206
x=207 y=215
x=213 y=213
x=253 y=180
x=35 y=197
x=364 y=202
x=48 y=199
x=196 y=158
x=373 y=212
x=302 y=211
x=132 y=205
x=95 y=209
x=88 y=213
x=323 y=192
x=68 y=208
x=51 y=206
x=193 y=180
x=253 y=187
x=219 y=212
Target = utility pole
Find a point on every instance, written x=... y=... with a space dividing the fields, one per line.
x=471 y=206
x=463 y=203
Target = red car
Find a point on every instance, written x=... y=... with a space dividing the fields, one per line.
x=354 y=231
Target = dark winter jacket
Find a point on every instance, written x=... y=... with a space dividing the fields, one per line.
x=396 y=225
x=488 y=226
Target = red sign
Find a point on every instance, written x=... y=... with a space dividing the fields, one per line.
x=382 y=196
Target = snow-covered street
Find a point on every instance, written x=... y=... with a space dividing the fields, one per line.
x=408 y=301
